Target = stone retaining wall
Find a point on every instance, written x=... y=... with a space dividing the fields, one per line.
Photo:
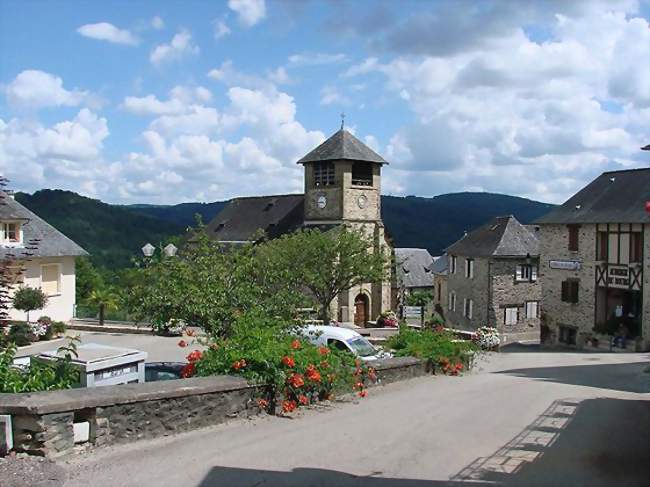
x=44 y=423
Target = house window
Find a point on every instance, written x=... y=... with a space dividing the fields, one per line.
x=468 y=308
x=532 y=309
x=324 y=174
x=452 y=269
x=570 y=289
x=469 y=268
x=602 y=246
x=452 y=301
x=636 y=247
x=51 y=279
x=573 y=237
x=11 y=232
x=362 y=174
x=526 y=273
x=511 y=315
x=568 y=335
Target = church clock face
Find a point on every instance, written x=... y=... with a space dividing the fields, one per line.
x=321 y=201
x=362 y=201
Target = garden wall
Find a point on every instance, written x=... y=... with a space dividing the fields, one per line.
x=51 y=423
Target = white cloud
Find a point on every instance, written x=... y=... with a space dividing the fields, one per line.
x=104 y=31
x=65 y=155
x=330 y=95
x=221 y=29
x=250 y=12
x=157 y=23
x=181 y=46
x=230 y=76
x=316 y=59
x=35 y=89
x=180 y=101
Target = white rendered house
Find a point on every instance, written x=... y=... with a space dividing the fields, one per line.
x=43 y=258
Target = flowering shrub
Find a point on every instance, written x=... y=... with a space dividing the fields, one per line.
x=388 y=319
x=39 y=328
x=487 y=337
x=439 y=347
x=295 y=372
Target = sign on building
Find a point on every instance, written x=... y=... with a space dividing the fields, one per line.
x=567 y=265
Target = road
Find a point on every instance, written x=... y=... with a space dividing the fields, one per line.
x=525 y=418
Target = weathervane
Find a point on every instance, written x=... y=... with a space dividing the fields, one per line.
x=342 y=120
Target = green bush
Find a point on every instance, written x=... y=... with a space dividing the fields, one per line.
x=29 y=299
x=39 y=376
x=58 y=327
x=296 y=372
x=46 y=321
x=20 y=333
x=440 y=348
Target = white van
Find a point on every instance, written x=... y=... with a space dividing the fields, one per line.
x=343 y=339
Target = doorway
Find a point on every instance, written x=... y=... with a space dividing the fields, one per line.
x=361 y=310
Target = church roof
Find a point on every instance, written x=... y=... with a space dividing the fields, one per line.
x=413 y=267
x=343 y=145
x=502 y=237
x=242 y=218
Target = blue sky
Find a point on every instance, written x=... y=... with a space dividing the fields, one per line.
x=164 y=102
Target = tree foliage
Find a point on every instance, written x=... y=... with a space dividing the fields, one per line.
x=211 y=286
x=328 y=263
x=29 y=299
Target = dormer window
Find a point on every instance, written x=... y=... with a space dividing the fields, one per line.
x=324 y=174
x=10 y=232
x=362 y=174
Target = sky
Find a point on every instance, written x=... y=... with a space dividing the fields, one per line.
x=166 y=102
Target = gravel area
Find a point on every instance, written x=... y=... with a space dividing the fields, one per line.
x=30 y=472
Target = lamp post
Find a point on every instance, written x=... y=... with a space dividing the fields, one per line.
x=168 y=251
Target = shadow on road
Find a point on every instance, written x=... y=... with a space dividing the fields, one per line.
x=596 y=442
x=314 y=477
x=628 y=377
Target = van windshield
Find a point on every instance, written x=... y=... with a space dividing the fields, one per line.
x=362 y=347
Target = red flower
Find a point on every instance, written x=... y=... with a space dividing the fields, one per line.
x=312 y=374
x=363 y=393
x=195 y=356
x=295 y=344
x=262 y=403
x=323 y=350
x=302 y=399
x=358 y=385
x=288 y=406
x=182 y=344
x=296 y=380
x=459 y=366
x=288 y=361
x=188 y=371
x=239 y=364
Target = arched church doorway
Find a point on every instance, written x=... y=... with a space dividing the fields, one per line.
x=361 y=310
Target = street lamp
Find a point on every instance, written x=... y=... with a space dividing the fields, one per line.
x=170 y=250
x=148 y=250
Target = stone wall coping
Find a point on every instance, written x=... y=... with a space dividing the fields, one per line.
x=36 y=403
x=395 y=363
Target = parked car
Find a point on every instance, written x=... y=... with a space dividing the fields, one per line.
x=155 y=371
x=343 y=339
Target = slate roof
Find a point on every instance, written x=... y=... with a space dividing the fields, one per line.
x=613 y=197
x=440 y=265
x=49 y=241
x=343 y=145
x=502 y=237
x=413 y=267
x=242 y=218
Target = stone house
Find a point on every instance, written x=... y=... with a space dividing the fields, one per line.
x=413 y=271
x=42 y=256
x=440 y=278
x=492 y=280
x=595 y=260
x=342 y=187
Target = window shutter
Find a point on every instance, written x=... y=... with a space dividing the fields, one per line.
x=574 y=291
x=50 y=279
x=519 y=273
x=565 y=291
x=533 y=273
x=471 y=309
x=449 y=303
